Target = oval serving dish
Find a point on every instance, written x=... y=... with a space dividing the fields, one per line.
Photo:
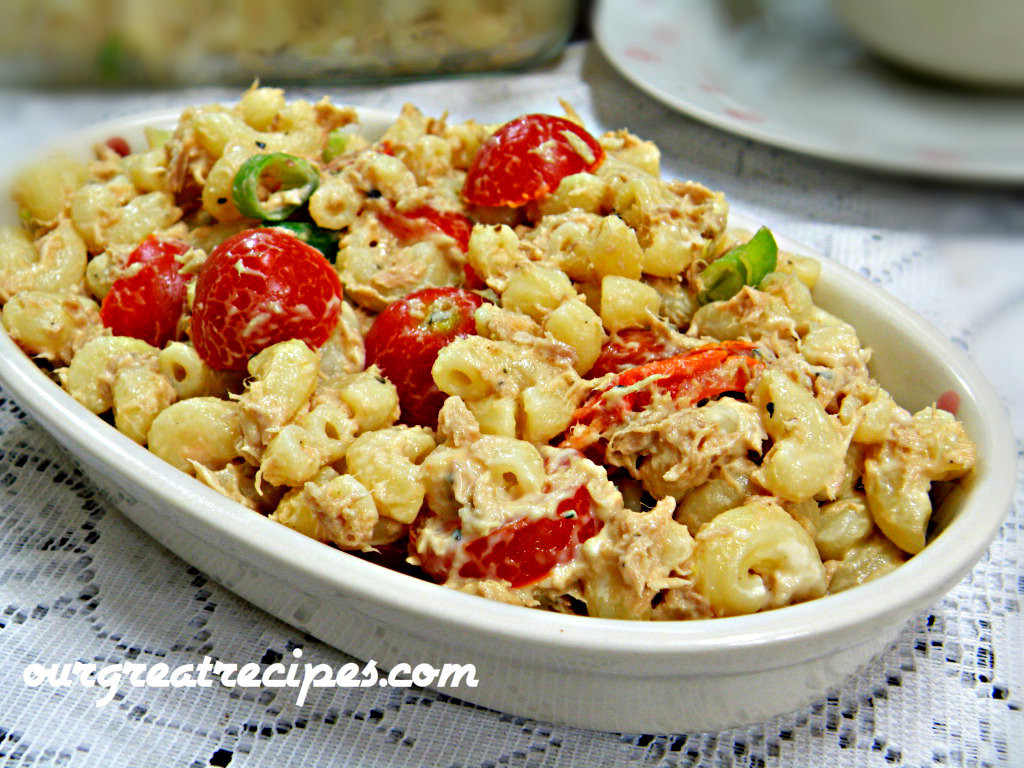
x=594 y=673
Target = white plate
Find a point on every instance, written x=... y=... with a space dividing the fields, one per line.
x=785 y=73
x=595 y=673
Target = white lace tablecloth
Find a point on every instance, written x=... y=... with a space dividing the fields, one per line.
x=78 y=582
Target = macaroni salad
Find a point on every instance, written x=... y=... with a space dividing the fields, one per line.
x=511 y=359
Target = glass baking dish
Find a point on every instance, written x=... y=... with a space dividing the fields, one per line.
x=133 y=42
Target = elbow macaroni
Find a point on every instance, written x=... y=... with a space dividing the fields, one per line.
x=787 y=476
x=809 y=449
x=199 y=431
x=388 y=463
x=524 y=388
x=755 y=557
x=51 y=326
x=54 y=262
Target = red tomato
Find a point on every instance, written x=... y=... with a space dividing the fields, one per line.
x=708 y=371
x=526 y=159
x=148 y=301
x=119 y=145
x=419 y=222
x=473 y=281
x=409 y=226
x=628 y=349
x=404 y=341
x=523 y=551
x=258 y=288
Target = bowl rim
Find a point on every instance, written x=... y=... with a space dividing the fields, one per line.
x=887 y=599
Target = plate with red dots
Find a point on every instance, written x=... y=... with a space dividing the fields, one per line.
x=786 y=73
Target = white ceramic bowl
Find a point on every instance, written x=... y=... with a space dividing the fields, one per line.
x=972 y=42
x=595 y=673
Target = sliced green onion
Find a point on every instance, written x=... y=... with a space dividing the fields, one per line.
x=324 y=240
x=273 y=186
x=337 y=140
x=746 y=264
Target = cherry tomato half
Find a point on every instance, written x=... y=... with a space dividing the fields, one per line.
x=416 y=224
x=526 y=551
x=260 y=287
x=704 y=372
x=409 y=226
x=521 y=552
x=119 y=145
x=148 y=301
x=525 y=159
x=404 y=341
x=628 y=349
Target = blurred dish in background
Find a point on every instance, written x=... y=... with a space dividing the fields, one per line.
x=787 y=73
x=115 y=42
x=974 y=43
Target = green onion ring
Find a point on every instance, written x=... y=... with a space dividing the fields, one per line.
x=746 y=264
x=289 y=173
